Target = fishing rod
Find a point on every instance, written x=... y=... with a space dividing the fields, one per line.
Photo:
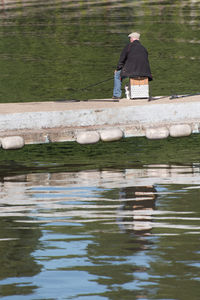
x=85 y=88
x=151 y=98
x=172 y=97
x=95 y=84
x=182 y=96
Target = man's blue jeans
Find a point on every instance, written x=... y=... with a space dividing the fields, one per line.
x=117 y=91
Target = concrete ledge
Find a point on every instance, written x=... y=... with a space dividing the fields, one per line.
x=144 y=114
x=59 y=122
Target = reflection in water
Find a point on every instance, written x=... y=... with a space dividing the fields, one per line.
x=141 y=201
x=23 y=192
x=99 y=233
x=17 y=243
x=136 y=190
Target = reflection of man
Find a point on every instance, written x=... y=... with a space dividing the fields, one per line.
x=140 y=205
x=133 y=62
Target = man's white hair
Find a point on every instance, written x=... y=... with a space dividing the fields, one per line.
x=134 y=35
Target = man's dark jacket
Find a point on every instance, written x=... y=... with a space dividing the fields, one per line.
x=134 y=61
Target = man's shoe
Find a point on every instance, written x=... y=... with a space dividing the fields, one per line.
x=116 y=98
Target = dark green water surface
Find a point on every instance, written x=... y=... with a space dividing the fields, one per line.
x=110 y=221
x=114 y=220
x=49 y=49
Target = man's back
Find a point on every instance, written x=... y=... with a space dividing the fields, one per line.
x=136 y=63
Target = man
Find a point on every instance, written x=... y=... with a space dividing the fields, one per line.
x=133 y=62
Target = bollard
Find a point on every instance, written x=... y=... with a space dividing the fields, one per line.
x=12 y=142
x=110 y=135
x=180 y=130
x=157 y=133
x=87 y=137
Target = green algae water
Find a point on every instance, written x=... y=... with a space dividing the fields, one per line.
x=108 y=221
x=50 y=50
x=114 y=220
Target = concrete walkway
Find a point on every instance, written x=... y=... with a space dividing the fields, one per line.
x=42 y=122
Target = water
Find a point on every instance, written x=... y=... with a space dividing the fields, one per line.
x=81 y=226
x=110 y=234
x=107 y=221
x=51 y=49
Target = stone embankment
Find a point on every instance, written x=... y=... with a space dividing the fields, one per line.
x=100 y=119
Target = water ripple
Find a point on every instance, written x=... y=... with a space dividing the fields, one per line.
x=107 y=197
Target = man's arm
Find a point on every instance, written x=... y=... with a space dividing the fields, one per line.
x=122 y=58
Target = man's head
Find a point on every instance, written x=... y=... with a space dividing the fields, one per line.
x=134 y=36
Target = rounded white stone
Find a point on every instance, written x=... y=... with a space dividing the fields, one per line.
x=87 y=137
x=157 y=133
x=12 y=142
x=180 y=130
x=110 y=135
